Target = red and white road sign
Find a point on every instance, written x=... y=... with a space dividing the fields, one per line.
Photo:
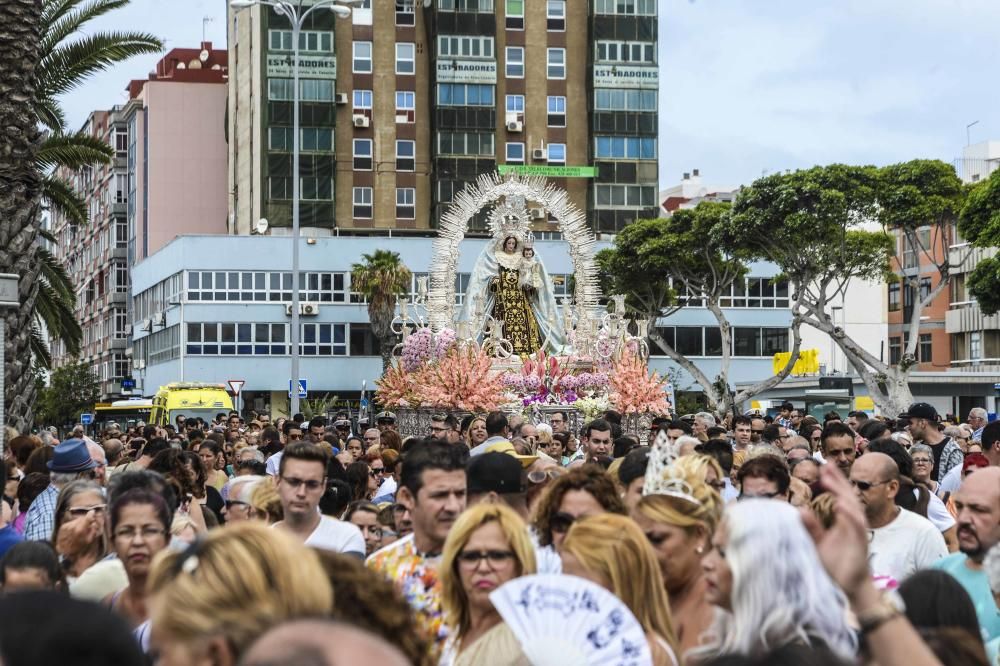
x=236 y=385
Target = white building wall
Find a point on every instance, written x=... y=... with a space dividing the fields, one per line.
x=862 y=313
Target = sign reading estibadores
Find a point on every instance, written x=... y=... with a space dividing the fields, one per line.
x=310 y=66
x=625 y=76
x=466 y=71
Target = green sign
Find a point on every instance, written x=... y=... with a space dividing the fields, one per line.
x=548 y=171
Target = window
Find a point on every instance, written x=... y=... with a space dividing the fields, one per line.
x=774 y=341
x=556 y=63
x=975 y=346
x=405 y=155
x=624 y=148
x=230 y=339
x=363 y=154
x=310 y=41
x=636 y=53
x=480 y=6
x=455 y=46
x=746 y=342
x=316 y=139
x=515 y=153
x=279 y=138
x=895 y=351
x=894 y=290
x=689 y=341
x=406 y=203
x=925 y=288
x=555 y=14
x=362 y=62
x=465 y=94
x=615 y=99
x=362 y=101
x=515 y=103
x=924 y=349
x=317 y=189
x=405 y=14
x=466 y=143
x=515 y=14
x=261 y=287
x=624 y=196
x=311 y=90
x=279 y=90
x=406 y=104
x=323 y=340
x=633 y=7
x=405 y=58
x=121 y=140
x=362 y=202
x=514 y=62
x=557 y=153
x=556 y=112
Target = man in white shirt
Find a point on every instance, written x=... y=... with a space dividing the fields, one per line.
x=301 y=484
x=902 y=542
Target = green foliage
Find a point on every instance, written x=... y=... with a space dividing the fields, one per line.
x=380 y=277
x=318 y=406
x=917 y=193
x=72 y=390
x=984 y=285
x=979 y=220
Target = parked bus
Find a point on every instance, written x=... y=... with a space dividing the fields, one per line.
x=126 y=413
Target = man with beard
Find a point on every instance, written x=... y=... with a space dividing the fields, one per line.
x=978 y=505
x=839 y=447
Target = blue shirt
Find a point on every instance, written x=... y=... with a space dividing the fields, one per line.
x=41 y=519
x=8 y=538
x=978 y=586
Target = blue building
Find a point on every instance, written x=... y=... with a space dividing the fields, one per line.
x=214 y=308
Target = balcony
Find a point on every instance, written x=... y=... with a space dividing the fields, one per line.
x=119 y=208
x=119 y=344
x=962 y=257
x=119 y=253
x=118 y=298
x=976 y=365
x=966 y=316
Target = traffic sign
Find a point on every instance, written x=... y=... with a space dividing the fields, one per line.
x=128 y=384
x=364 y=403
x=236 y=385
x=303 y=390
x=86 y=419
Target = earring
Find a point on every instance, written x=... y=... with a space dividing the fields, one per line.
x=699 y=550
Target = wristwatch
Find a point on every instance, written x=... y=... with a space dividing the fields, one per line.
x=890 y=606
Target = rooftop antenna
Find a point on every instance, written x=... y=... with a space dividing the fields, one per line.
x=968 y=139
x=204 y=25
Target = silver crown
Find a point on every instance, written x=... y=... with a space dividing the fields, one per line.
x=510 y=218
x=662 y=478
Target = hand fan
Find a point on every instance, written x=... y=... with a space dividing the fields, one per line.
x=568 y=620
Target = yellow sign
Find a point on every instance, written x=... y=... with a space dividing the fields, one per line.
x=864 y=403
x=807 y=363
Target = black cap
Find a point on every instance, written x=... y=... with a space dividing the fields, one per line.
x=634 y=465
x=494 y=472
x=922 y=410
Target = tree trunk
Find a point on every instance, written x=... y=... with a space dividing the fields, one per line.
x=381 y=314
x=20 y=195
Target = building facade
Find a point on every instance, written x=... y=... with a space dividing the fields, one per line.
x=402 y=105
x=167 y=177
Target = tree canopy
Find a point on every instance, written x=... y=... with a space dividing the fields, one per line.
x=73 y=389
x=979 y=223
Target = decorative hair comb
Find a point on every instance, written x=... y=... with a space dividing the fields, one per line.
x=662 y=478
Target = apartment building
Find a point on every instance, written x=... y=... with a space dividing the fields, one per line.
x=402 y=105
x=167 y=178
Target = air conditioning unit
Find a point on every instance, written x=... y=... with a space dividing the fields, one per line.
x=401 y=119
x=540 y=154
x=537 y=213
x=160 y=319
x=362 y=121
x=138 y=365
x=307 y=309
x=342 y=98
x=515 y=126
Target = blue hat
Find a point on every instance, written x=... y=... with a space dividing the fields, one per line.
x=71 y=456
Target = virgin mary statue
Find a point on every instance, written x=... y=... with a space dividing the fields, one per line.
x=510 y=283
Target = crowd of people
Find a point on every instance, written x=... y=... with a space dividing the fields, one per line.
x=750 y=540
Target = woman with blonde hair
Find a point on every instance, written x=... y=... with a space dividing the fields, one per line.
x=680 y=532
x=265 y=504
x=488 y=546
x=209 y=603
x=612 y=551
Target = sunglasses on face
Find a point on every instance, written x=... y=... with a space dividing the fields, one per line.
x=81 y=511
x=540 y=475
x=864 y=486
x=377 y=471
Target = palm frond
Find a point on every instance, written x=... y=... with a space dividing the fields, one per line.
x=63 y=199
x=67 y=66
x=49 y=113
x=73 y=151
x=39 y=348
x=60 y=320
x=63 y=18
x=54 y=273
x=47 y=235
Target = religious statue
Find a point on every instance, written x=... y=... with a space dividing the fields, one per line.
x=510 y=283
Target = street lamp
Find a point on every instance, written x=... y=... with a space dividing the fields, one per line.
x=296 y=16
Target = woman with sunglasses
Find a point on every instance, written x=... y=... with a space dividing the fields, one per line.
x=140 y=528
x=613 y=552
x=78 y=536
x=680 y=532
x=583 y=491
x=488 y=546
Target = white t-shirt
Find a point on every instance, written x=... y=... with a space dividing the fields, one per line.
x=388 y=487
x=273 y=464
x=951 y=481
x=910 y=542
x=337 y=536
x=938 y=513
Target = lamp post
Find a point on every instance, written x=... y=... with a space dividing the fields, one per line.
x=297 y=14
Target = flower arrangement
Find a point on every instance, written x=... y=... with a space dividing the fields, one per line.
x=591 y=408
x=397 y=387
x=423 y=347
x=634 y=390
x=462 y=379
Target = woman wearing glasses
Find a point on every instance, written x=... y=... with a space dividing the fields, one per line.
x=582 y=491
x=78 y=535
x=487 y=547
x=140 y=521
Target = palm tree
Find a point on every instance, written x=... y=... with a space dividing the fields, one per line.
x=381 y=279
x=39 y=63
x=20 y=193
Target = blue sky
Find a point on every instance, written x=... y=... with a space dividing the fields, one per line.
x=748 y=86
